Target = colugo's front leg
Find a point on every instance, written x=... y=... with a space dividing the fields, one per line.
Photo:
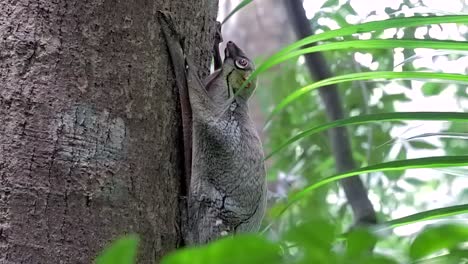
x=186 y=73
x=176 y=53
x=217 y=61
x=199 y=96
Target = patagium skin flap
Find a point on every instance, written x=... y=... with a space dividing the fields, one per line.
x=228 y=186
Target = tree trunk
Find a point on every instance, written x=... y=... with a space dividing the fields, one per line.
x=90 y=126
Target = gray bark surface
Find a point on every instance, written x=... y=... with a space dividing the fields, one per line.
x=90 y=140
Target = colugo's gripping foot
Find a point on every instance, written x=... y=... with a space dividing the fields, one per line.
x=171 y=34
x=218 y=38
x=218 y=35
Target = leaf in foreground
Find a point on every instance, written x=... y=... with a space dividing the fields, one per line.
x=426 y=216
x=435 y=238
x=363 y=119
x=354 y=29
x=237 y=8
x=239 y=249
x=371 y=76
x=122 y=251
x=429 y=162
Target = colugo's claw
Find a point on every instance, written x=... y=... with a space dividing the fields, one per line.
x=218 y=38
x=174 y=43
x=218 y=35
x=167 y=22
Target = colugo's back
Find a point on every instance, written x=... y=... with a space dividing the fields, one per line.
x=228 y=185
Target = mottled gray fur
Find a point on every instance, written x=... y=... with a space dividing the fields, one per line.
x=227 y=192
x=228 y=188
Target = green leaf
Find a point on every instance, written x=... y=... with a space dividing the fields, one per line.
x=429 y=162
x=387 y=75
x=401 y=116
x=452 y=135
x=122 y=251
x=415 y=182
x=353 y=29
x=238 y=249
x=422 y=145
x=435 y=238
x=375 y=44
x=430 y=89
x=314 y=242
x=237 y=8
x=359 y=242
x=369 y=27
x=454 y=257
x=329 y=3
x=428 y=215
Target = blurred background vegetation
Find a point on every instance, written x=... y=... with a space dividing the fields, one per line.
x=320 y=227
x=393 y=194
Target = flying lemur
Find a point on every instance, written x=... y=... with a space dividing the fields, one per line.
x=227 y=187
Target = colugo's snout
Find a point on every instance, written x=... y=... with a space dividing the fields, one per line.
x=233 y=51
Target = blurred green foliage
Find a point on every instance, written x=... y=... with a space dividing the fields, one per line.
x=242 y=249
x=122 y=251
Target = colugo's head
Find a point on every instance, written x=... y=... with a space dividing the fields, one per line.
x=237 y=68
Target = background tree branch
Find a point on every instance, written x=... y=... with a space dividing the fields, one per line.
x=354 y=189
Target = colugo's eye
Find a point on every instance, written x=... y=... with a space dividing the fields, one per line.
x=242 y=63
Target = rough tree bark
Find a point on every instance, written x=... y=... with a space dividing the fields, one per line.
x=90 y=128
